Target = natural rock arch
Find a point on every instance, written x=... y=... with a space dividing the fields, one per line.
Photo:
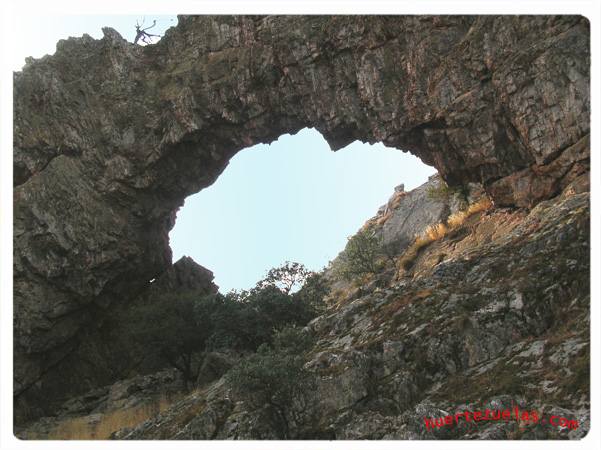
x=109 y=137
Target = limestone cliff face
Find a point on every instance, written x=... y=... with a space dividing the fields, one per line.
x=109 y=137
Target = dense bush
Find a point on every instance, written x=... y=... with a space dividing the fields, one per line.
x=361 y=255
x=276 y=309
x=170 y=328
x=274 y=375
x=313 y=291
x=182 y=329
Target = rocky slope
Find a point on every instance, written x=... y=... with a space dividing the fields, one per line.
x=493 y=315
x=109 y=138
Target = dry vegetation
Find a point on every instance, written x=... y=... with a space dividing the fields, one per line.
x=87 y=428
x=457 y=219
x=338 y=297
x=382 y=219
x=436 y=232
x=396 y=199
x=440 y=230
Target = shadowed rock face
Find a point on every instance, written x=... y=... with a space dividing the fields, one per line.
x=109 y=137
x=102 y=351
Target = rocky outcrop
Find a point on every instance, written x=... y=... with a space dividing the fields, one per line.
x=408 y=214
x=184 y=276
x=109 y=137
x=494 y=315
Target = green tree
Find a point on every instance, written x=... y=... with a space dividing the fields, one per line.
x=286 y=277
x=313 y=291
x=170 y=327
x=181 y=330
x=229 y=324
x=275 y=375
x=360 y=255
x=276 y=309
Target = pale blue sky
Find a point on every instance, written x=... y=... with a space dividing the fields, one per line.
x=37 y=35
x=292 y=200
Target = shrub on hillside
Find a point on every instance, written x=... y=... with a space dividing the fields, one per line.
x=181 y=329
x=170 y=328
x=274 y=376
x=313 y=292
x=361 y=255
x=274 y=309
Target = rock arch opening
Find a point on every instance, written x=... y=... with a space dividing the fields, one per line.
x=109 y=138
x=292 y=200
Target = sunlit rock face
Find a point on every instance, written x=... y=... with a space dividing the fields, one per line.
x=109 y=137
